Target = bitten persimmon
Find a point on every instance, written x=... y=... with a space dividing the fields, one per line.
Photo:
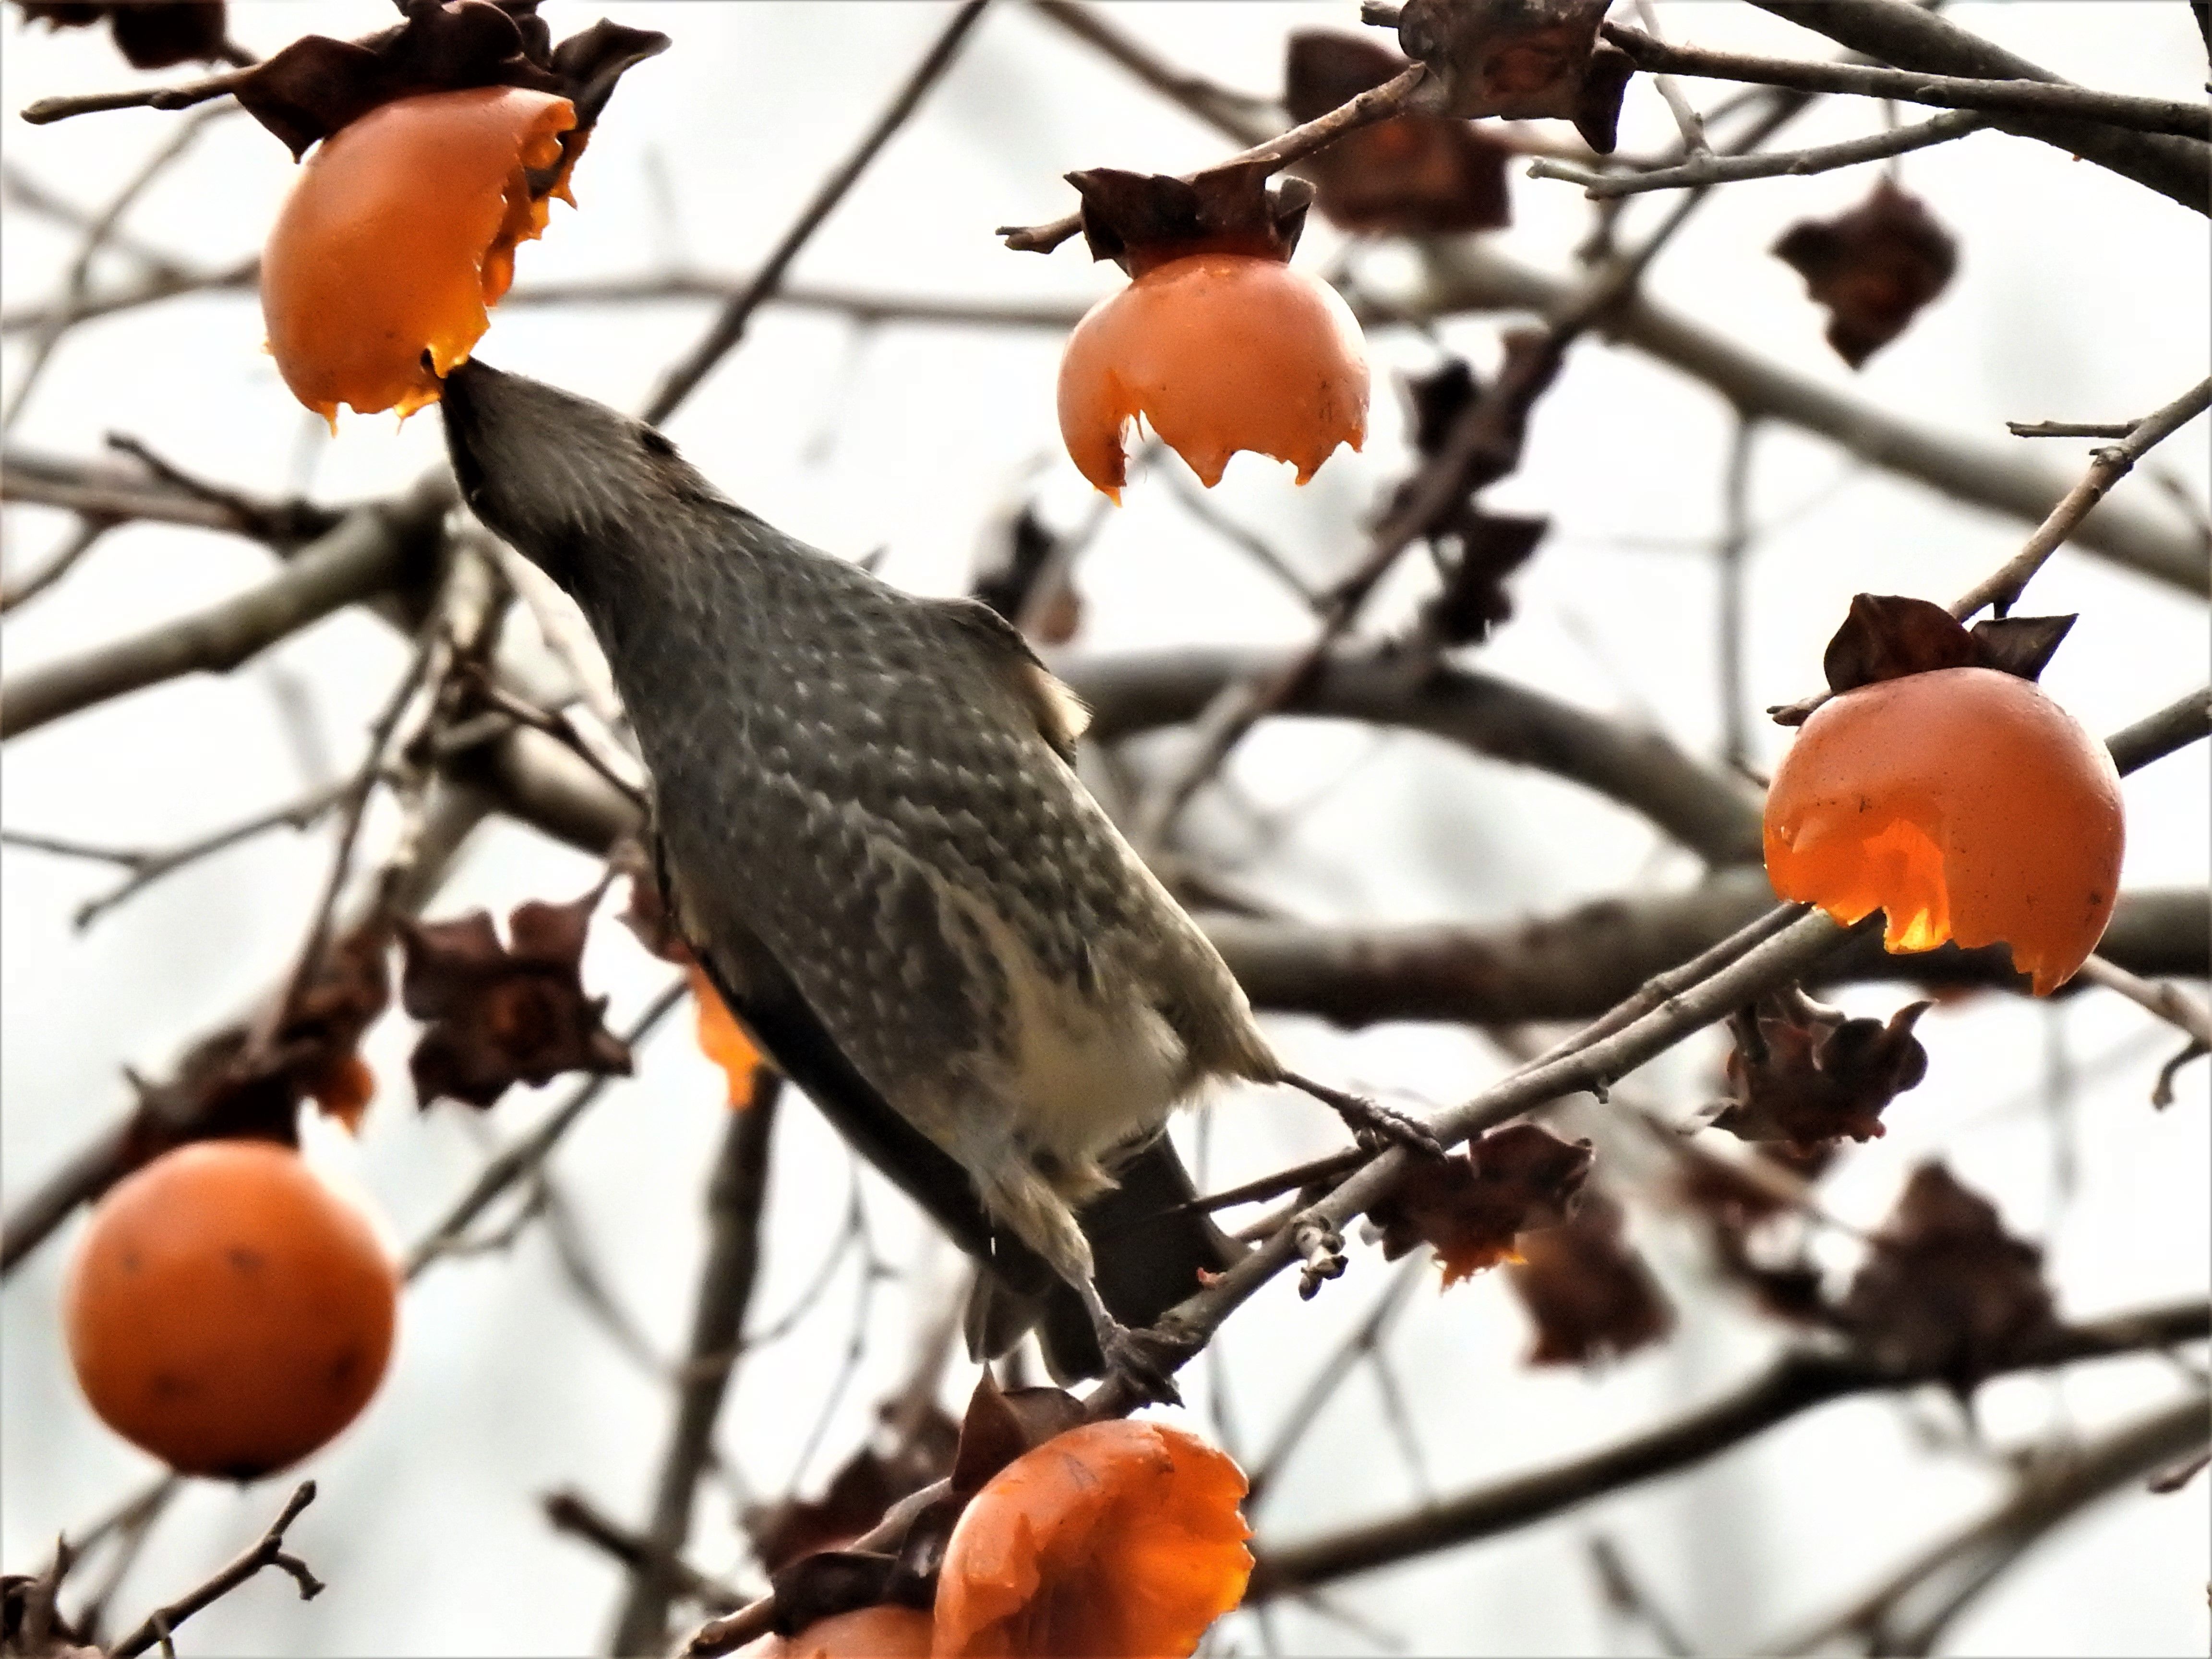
x=879 y=1632
x=226 y=1311
x=398 y=233
x=1219 y=351
x=1115 y=1538
x=1963 y=803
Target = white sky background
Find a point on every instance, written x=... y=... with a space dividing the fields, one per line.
x=2079 y=297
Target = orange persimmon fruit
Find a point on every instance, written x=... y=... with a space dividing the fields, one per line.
x=228 y=1311
x=1964 y=804
x=398 y=233
x=1114 y=1538
x=879 y=1632
x=1219 y=351
x=721 y=1039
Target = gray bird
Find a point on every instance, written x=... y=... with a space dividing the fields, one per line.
x=869 y=826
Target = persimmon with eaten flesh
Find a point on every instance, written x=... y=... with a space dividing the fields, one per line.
x=1115 y=1538
x=1219 y=351
x=226 y=1311
x=1964 y=804
x=399 y=232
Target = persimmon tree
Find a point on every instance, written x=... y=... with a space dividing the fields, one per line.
x=1712 y=1096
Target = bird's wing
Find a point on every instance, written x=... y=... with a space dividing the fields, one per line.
x=1059 y=713
x=767 y=1001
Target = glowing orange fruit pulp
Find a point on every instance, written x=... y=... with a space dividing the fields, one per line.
x=398 y=233
x=1966 y=805
x=226 y=1311
x=1219 y=352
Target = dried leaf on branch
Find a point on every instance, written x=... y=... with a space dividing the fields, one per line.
x=1418 y=175
x=1470 y=1207
x=1872 y=268
x=1523 y=59
x=1946 y=1292
x=496 y=1016
x=1801 y=1073
x=1590 y=1294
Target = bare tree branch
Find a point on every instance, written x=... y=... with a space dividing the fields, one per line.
x=573 y=1513
x=372 y=550
x=1575 y=965
x=2001 y=590
x=737 y=1193
x=1797 y=1382
x=1912 y=38
x=269 y=1552
x=730 y=327
x=1909 y=1611
x=2000 y=97
x=1710 y=169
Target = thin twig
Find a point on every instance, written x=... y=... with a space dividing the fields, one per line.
x=1781 y=164
x=730 y=327
x=2070 y=428
x=48 y=110
x=1730 y=554
x=1687 y=121
x=91 y=526
x=1950 y=1573
x=269 y=1552
x=2169 y=1002
x=371 y=552
x=2111 y=109
x=523 y=1158
x=146 y=868
x=2001 y=590
x=573 y=1513
x=96 y=234
x=737 y=1195
x=1363 y=1339
x=1393 y=97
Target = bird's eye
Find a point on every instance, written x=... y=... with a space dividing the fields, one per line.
x=654 y=442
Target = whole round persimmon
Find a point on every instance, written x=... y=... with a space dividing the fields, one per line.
x=1964 y=804
x=398 y=233
x=1219 y=352
x=226 y=1311
x=1115 y=1538
x=879 y=1632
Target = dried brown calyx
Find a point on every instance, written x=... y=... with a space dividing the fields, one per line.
x=1802 y=1073
x=1471 y=1207
x=1416 y=173
x=495 y=1016
x=1887 y=636
x=1873 y=268
x=1947 y=1293
x=1590 y=1294
x=1523 y=59
x=317 y=85
x=235 y=1085
x=1142 y=219
x=1475 y=549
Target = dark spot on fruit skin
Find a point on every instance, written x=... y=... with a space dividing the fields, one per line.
x=343 y=1368
x=167 y=1385
x=132 y=1261
x=246 y=1259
